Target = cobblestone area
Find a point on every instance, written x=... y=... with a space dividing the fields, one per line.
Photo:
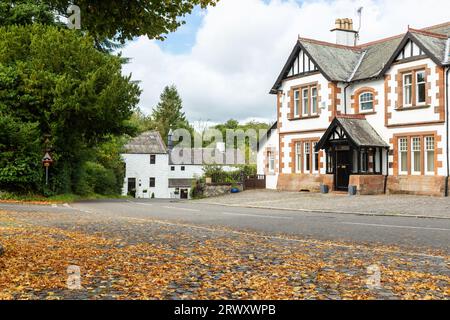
x=389 y=205
x=126 y=258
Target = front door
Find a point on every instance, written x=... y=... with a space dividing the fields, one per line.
x=184 y=193
x=343 y=170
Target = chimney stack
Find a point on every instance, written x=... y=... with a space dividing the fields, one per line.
x=345 y=35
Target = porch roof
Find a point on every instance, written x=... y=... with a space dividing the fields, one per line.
x=358 y=131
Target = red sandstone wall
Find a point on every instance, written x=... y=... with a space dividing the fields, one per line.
x=416 y=185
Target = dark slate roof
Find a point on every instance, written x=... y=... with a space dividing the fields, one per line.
x=361 y=132
x=435 y=45
x=336 y=62
x=180 y=183
x=149 y=142
x=366 y=61
x=358 y=131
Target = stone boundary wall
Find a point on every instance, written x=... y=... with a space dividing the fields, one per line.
x=215 y=190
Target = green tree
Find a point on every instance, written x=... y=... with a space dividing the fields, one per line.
x=20 y=155
x=168 y=113
x=23 y=12
x=75 y=93
x=123 y=20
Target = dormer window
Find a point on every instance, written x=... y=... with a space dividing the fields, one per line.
x=366 y=101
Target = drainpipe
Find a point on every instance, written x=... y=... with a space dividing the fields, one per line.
x=387 y=171
x=447 y=133
x=345 y=97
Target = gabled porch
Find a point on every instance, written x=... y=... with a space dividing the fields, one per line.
x=355 y=155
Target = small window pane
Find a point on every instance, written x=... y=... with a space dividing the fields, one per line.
x=305 y=101
x=314 y=100
x=152 y=182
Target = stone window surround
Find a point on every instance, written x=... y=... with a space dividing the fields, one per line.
x=409 y=136
x=311 y=160
x=309 y=86
x=399 y=79
x=356 y=97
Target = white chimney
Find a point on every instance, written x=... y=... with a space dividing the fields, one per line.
x=345 y=35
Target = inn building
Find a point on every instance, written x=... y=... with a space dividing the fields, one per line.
x=373 y=116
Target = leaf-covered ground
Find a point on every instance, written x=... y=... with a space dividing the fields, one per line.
x=125 y=258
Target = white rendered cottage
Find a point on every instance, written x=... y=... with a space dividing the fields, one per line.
x=373 y=115
x=153 y=170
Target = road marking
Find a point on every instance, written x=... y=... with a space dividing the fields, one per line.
x=281 y=238
x=256 y=215
x=140 y=203
x=393 y=226
x=183 y=209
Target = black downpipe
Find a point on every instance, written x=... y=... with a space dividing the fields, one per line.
x=386 y=177
x=447 y=122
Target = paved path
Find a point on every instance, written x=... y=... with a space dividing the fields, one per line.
x=397 y=205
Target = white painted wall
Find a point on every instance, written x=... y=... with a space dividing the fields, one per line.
x=138 y=166
x=272 y=142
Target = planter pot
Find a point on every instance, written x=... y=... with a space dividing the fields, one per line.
x=324 y=189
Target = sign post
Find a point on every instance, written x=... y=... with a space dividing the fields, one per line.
x=47 y=162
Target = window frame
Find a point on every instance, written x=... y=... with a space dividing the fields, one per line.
x=411 y=86
x=361 y=103
x=150 y=182
x=314 y=101
x=424 y=83
x=400 y=151
x=305 y=102
x=416 y=148
x=153 y=159
x=297 y=104
x=307 y=157
x=298 y=156
x=316 y=156
x=271 y=162
x=426 y=151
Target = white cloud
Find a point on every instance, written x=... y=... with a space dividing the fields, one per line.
x=242 y=46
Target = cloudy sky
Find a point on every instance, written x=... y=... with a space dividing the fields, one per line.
x=226 y=58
